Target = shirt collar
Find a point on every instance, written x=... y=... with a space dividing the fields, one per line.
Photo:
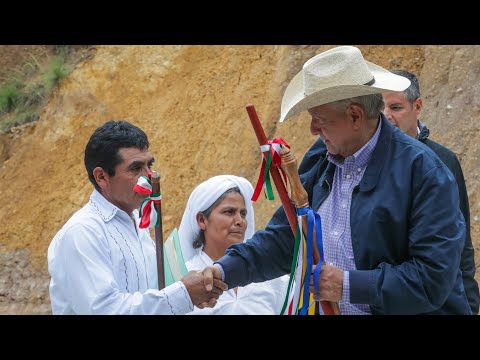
x=363 y=155
x=104 y=207
x=205 y=258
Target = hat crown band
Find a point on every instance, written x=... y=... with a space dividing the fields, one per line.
x=339 y=66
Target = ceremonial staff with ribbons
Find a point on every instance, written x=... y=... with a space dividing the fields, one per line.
x=300 y=199
x=151 y=216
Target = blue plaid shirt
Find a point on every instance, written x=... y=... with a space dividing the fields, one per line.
x=335 y=214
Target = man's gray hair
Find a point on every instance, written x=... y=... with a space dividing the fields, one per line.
x=372 y=104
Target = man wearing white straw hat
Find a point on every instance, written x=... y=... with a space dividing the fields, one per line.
x=391 y=237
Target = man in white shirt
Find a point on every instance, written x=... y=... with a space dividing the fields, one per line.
x=101 y=262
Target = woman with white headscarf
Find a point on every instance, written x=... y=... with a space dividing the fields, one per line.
x=219 y=213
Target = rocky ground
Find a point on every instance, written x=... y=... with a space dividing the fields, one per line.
x=191 y=101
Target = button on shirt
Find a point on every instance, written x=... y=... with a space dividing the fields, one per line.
x=335 y=215
x=101 y=262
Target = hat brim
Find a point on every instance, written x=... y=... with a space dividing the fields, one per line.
x=295 y=101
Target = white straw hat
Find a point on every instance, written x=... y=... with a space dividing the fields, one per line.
x=337 y=74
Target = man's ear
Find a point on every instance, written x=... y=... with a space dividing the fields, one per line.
x=417 y=106
x=356 y=113
x=101 y=177
x=201 y=219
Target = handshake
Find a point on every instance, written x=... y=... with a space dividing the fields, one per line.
x=204 y=286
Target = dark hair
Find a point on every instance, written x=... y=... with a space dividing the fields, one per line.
x=200 y=238
x=412 y=93
x=102 y=148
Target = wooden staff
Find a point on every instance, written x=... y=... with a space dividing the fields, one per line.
x=300 y=198
x=282 y=191
x=158 y=232
x=277 y=178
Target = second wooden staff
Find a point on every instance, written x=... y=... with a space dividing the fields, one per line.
x=158 y=232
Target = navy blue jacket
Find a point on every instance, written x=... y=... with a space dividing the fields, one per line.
x=406 y=239
x=467 y=261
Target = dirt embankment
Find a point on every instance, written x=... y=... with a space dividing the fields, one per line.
x=191 y=101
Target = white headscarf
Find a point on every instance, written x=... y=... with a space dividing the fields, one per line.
x=202 y=198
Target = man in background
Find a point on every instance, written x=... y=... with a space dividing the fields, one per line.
x=402 y=108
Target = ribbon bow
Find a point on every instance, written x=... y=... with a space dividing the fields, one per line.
x=148 y=213
x=273 y=158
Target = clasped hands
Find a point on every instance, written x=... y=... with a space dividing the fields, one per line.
x=204 y=287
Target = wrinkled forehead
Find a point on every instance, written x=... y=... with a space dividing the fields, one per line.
x=324 y=111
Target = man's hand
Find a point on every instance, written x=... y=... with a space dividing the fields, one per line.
x=201 y=294
x=330 y=283
x=212 y=273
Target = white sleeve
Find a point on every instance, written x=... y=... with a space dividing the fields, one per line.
x=91 y=286
x=150 y=255
x=280 y=288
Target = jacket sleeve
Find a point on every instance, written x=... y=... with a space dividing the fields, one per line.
x=468 y=256
x=267 y=255
x=436 y=234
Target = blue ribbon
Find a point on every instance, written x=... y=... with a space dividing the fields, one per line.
x=313 y=220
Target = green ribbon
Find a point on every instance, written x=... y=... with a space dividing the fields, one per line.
x=266 y=176
x=298 y=238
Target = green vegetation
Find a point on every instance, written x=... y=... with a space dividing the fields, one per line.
x=26 y=90
x=9 y=97
x=55 y=72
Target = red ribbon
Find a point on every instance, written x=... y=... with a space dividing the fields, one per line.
x=276 y=160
